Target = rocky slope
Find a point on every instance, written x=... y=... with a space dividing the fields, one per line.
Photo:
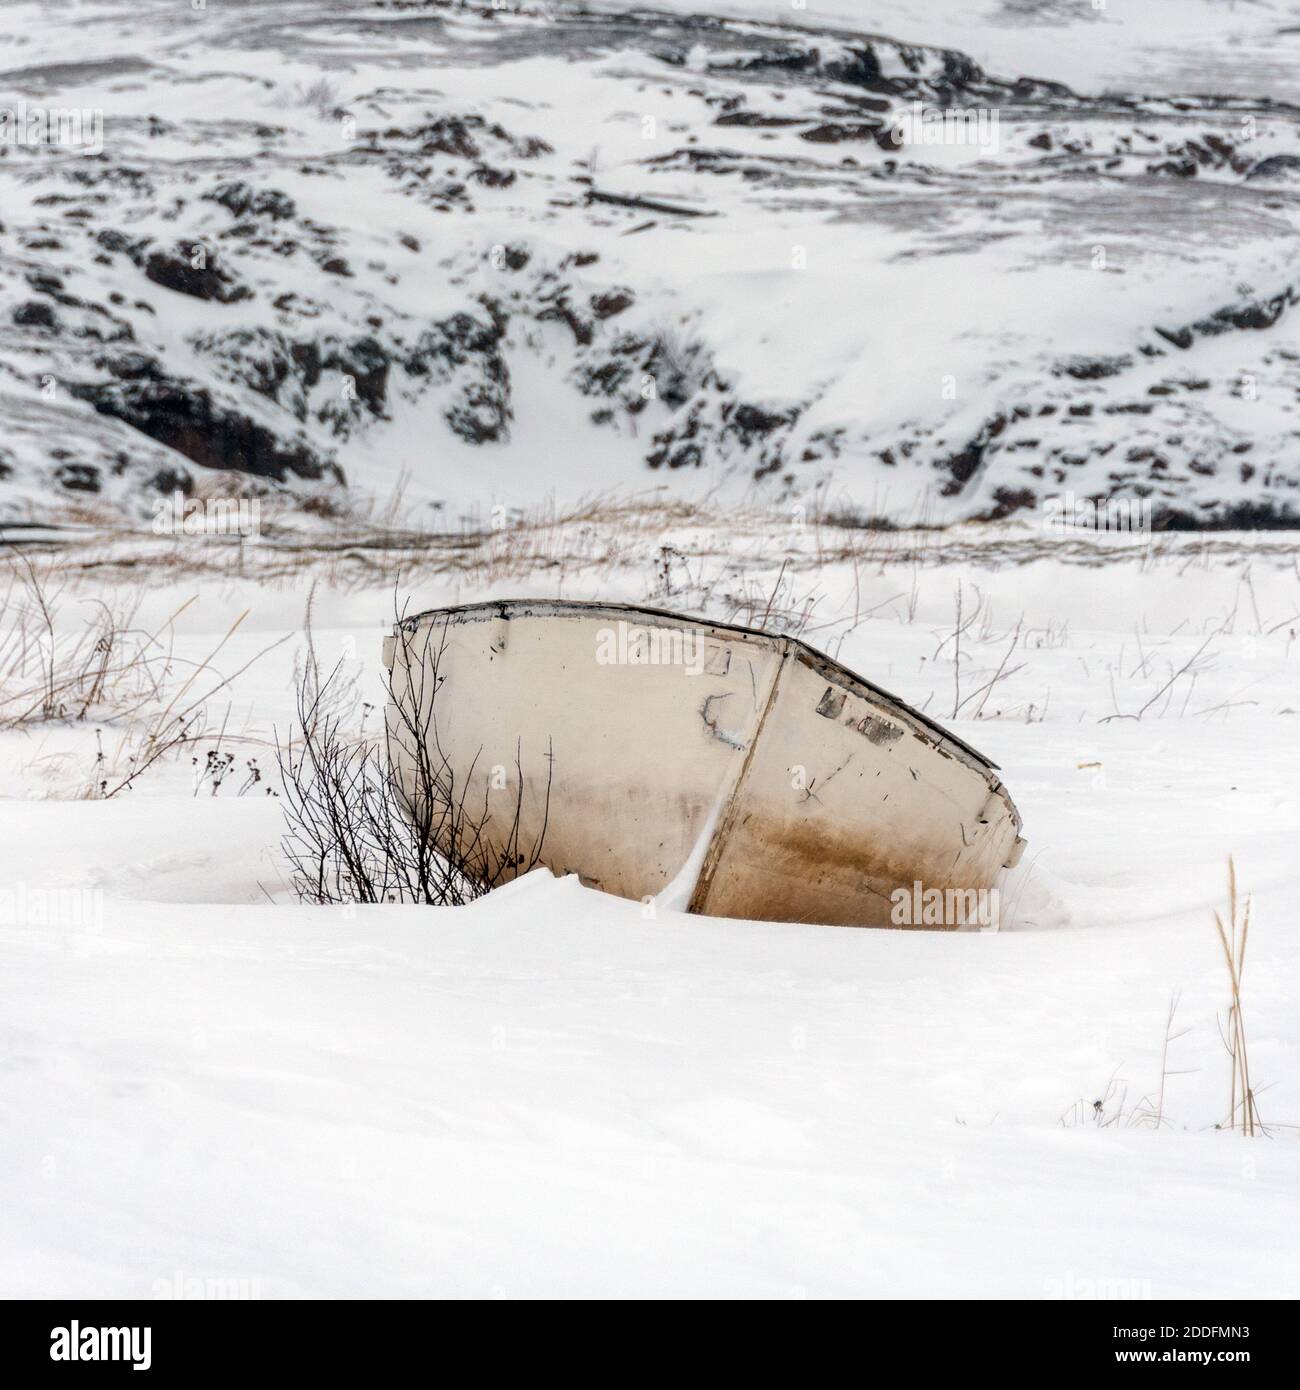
x=470 y=258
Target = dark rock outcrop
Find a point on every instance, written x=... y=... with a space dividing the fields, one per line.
x=189 y=419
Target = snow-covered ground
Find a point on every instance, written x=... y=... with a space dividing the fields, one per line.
x=209 y=1088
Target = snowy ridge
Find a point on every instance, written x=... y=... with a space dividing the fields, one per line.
x=486 y=256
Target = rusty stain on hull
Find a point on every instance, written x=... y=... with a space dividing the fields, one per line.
x=819 y=793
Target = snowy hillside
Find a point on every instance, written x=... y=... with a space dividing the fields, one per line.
x=475 y=257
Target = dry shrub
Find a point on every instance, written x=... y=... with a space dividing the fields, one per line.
x=353 y=836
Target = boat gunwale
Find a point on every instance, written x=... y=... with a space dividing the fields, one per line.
x=809 y=655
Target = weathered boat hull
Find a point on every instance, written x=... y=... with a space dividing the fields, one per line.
x=752 y=775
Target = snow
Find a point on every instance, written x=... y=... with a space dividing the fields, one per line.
x=553 y=1092
x=1169 y=46
x=550 y=1096
x=904 y=314
x=209 y=1087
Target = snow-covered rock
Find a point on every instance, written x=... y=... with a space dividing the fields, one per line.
x=490 y=255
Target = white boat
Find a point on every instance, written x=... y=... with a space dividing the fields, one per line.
x=731 y=772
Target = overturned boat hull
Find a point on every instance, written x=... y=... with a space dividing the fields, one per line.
x=732 y=772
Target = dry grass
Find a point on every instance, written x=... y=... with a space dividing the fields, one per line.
x=354 y=543
x=1111 y=1109
x=51 y=671
x=176 y=719
x=1243 y=1114
x=145 y=701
